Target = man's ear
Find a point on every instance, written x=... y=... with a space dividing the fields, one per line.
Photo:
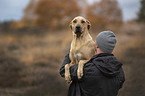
x=89 y=24
x=70 y=25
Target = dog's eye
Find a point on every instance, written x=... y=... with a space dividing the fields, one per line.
x=82 y=21
x=75 y=21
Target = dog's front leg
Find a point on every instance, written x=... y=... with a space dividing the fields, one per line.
x=67 y=66
x=67 y=73
x=80 y=68
x=72 y=58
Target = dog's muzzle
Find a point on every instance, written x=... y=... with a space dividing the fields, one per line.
x=78 y=29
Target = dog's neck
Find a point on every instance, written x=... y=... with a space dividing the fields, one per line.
x=81 y=41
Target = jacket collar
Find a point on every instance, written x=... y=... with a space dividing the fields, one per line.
x=102 y=55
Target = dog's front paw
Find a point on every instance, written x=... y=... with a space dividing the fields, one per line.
x=80 y=68
x=67 y=74
x=67 y=78
x=80 y=73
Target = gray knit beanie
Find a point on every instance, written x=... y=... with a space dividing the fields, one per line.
x=106 y=41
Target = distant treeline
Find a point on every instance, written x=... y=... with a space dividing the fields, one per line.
x=56 y=14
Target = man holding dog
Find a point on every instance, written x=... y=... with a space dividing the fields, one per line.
x=103 y=74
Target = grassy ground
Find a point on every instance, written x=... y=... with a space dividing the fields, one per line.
x=30 y=61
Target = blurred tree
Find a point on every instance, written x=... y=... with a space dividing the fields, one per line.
x=52 y=14
x=104 y=14
x=141 y=14
x=29 y=15
x=16 y=24
x=83 y=4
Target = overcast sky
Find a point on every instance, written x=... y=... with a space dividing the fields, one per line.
x=13 y=9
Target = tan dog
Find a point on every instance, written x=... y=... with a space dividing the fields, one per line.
x=82 y=46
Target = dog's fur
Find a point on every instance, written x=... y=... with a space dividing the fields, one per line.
x=82 y=46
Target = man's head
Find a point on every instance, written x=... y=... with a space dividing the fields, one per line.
x=106 y=41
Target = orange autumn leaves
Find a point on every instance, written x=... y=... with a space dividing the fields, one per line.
x=56 y=14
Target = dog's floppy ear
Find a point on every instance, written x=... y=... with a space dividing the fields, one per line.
x=70 y=25
x=89 y=24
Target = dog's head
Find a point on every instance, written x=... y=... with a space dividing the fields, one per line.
x=79 y=25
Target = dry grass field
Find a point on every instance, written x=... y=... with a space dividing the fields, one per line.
x=30 y=61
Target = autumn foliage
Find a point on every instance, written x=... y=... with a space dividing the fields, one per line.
x=104 y=14
x=56 y=14
x=52 y=13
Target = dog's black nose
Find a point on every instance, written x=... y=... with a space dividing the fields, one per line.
x=78 y=29
x=78 y=26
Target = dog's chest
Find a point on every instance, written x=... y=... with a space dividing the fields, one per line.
x=78 y=53
x=78 y=56
x=79 y=50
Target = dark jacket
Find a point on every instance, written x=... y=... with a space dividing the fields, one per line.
x=103 y=76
